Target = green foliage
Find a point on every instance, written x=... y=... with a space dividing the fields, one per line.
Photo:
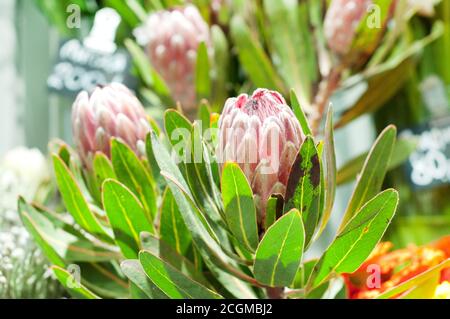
x=357 y=239
x=196 y=230
x=303 y=188
x=75 y=289
x=126 y=216
x=240 y=210
x=280 y=251
x=75 y=202
x=372 y=174
x=132 y=172
x=166 y=224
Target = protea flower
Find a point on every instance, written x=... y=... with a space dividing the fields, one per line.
x=261 y=134
x=342 y=20
x=110 y=111
x=172 y=38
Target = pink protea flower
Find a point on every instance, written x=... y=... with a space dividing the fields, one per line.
x=261 y=134
x=110 y=111
x=172 y=38
x=342 y=20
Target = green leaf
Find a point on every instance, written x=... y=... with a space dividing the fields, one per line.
x=188 y=146
x=102 y=167
x=292 y=46
x=57 y=14
x=280 y=252
x=178 y=128
x=240 y=209
x=76 y=289
x=126 y=215
x=330 y=175
x=403 y=148
x=172 y=282
x=132 y=173
x=135 y=273
x=193 y=219
x=359 y=237
x=202 y=80
x=253 y=58
x=298 y=111
x=218 y=262
x=173 y=230
x=146 y=71
x=368 y=91
x=198 y=174
x=126 y=12
x=274 y=209
x=151 y=156
x=372 y=174
x=204 y=114
x=303 y=187
x=74 y=201
x=304 y=273
x=164 y=251
x=221 y=66
x=25 y=212
x=105 y=279
x=60 y=243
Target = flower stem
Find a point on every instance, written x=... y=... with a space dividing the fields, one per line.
x=326 y=88
x=275 y=293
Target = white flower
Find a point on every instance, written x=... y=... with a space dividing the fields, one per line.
x=22 y=171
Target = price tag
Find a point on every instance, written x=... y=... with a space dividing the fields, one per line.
x=82 y=65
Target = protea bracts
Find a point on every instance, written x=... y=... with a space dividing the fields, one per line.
x=261 y=134
x=172 y=38
x=343 y=19
x=110 y=111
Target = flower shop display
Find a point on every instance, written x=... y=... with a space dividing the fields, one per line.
x=216 y=176
x=176 y=216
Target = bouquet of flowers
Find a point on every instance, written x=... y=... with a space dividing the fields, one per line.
x=223 y=196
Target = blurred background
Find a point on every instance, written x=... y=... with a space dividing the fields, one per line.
x=405 y=81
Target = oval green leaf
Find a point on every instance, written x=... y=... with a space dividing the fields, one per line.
x=132 y=173
x=372 y=174
x=171 y=281
x=76 y=289
x=135 y=273
x=280 y=251
x=126 y=215
x=303 y=188
x=359 y=237
x=74 y=201
x=173 y=230
x=240 y=211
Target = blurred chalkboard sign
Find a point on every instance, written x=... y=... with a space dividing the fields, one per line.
x=429 y=165
x=82 y=65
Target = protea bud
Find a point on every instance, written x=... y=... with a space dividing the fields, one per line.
x=342 y=20
x=110 y=111
x=172 y=38
x=261 y=134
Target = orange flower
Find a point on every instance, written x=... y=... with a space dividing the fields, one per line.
x=384 y=270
